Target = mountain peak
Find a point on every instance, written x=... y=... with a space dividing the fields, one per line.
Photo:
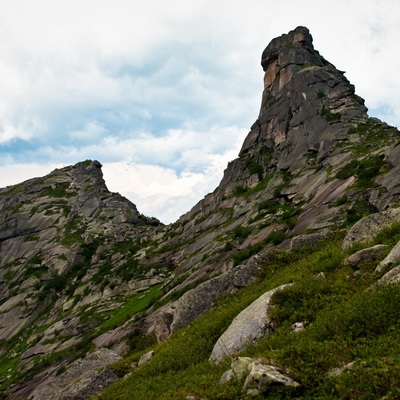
x=80 y=267
x=299 y=40
x=307 y=104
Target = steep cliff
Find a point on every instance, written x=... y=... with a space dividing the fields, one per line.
x=63 y=250
x=82 y=269
x=312 y=160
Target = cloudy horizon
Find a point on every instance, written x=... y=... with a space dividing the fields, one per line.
x=164 y=94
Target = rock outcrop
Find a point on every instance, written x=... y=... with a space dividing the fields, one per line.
x=365 y=229
x=392 y=259
x=260 y=379
x=199 y=300
x=251 y=325
x=65 y=242
x=83 y=378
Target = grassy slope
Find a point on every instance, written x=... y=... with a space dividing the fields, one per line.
x=344 y=323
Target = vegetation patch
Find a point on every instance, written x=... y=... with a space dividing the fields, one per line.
x=61 y=190
x=364 y=170
x=358 y=210
x=138 y=302
x=373 y=133
x=329 y=115
x=255 y=168
x=347 y=328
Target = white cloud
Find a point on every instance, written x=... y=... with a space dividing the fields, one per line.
x=15 y=173
x=92 y=131
x=161 y=192
x=168 y=87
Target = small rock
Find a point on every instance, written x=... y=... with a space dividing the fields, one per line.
x=339 y=371
x=262 y=378
x=227 y=376
x=298 y=327
x=145 y=357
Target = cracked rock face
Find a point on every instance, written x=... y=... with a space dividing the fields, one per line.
x=306 y=103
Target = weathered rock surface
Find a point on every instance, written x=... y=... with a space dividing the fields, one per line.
x=366 y=255
x=392 y=259
x=197 y=301
x=369 y=226
x=83 y=378
x=260 y=378
x=251 y=325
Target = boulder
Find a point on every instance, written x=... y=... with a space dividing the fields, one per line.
x=264 y=378
x=304 y=240
x=391 y=259
x=259 y=378
x=162 y=326
x=391 y=277
x=366 y=255
x=251 y=325
x=197 y=301
x=366 y=228
x=145 y=357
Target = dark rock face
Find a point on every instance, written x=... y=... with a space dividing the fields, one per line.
x=84 y=378
x=301 y=139
x=306 y=104
x=201 y=299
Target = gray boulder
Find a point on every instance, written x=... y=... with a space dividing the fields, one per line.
x=199 y=300
x=252 y=324
x=259 y=378
x=392 y=276
x=304 y=240
x=366 y=255
x=368 y=227
x=264 y=378
x=392 y=258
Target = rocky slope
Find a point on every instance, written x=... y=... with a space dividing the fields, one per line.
x=81 y=268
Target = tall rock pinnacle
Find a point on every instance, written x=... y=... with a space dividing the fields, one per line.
x=306 y=104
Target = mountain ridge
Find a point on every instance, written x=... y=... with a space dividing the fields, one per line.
x=82 y=270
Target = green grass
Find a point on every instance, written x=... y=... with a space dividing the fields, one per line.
x=364 y=170
x=344 y=323
x=138 y=302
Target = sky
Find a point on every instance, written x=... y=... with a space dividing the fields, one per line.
x=163 y=93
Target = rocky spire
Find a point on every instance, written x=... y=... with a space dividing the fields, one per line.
x=306 y=103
